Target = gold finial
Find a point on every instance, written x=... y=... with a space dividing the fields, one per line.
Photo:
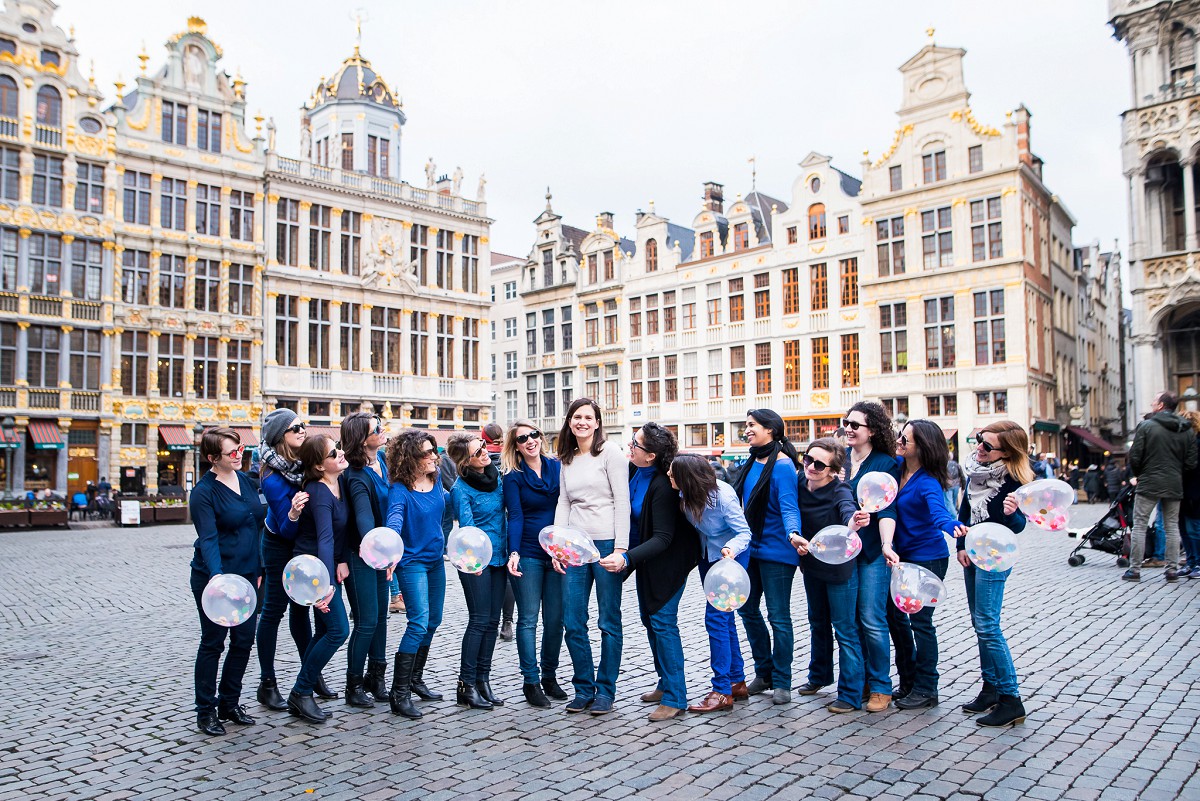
x=120 y=87
x=929 y=33
x=143 y=56
x=239 y=85
x=866 y=154
x=258 y=121
x=71 y=33
x=92 y=73
x=197 y=25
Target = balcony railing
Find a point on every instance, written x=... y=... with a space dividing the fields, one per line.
x=48 y=307
x=941 y=380
x=8 y=398
x=446 y=388
x=84 y=310
x=320 y=380
x=10 y=128
x=85 y=401
x=388 y=385
x=48 y=136
x=43 y=399
x=9 y=302
x=290 y=166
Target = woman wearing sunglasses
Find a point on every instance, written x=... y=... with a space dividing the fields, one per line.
x=322 y=533
x=530 y=498
x=871 y=448
x=832 y=590
x=922 y=524
x=998 y=466
x=767 y=487
x=227 y=514
x=478 y=501
x=281 y=481
x=367 y=588
x=416 y=501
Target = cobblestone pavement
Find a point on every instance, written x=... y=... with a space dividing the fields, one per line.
x=99 y=635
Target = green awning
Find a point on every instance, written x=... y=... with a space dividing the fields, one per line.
x=1046 y=426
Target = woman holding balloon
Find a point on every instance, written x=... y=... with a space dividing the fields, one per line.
x=713 y=507
x=530 y=498
x=478 y=501
x=995 y=469
x=227 y=515
x=322 y=533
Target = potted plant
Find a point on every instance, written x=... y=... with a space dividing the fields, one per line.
x=170 y=510
x=48 y=513
x=147 y=509
x=13 y=513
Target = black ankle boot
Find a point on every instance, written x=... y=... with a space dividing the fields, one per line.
x=1009 y=711
x=987 y=698
x=375 y=682
x=468 y=695
x=401 y=694
x=322 y=691
x=207 y=722
x=355 y=696
x=485 y=692
x=550 y=686
x=418 y=677
x=535 y=696
x=305 y=707
x=268 y=695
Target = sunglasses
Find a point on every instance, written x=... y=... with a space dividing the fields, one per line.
x=633 y=443
x=378 y=428
x=817 y=464
x=903 y=440
x=523 y=438
x=337 y=446
x=425 y=454
x=853 y=426
x=480 y=452
x=236 y=453
x=987 y=446
x=296 y=428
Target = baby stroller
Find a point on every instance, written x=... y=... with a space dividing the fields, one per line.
x=1111 y=532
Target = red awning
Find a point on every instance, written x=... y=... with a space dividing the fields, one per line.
x=949 y=433
x=1094 y=441
x=176 y=438
x=45 y=434
x=10 y=440
x=249 y=438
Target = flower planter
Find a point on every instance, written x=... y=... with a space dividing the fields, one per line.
x=148 y=514
x=48 y=517
x=169 y=514
x=10 y=518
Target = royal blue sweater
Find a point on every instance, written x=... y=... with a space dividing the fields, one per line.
x=783 y=513
x=279 y=493
x=876 y=462
x=228 y=527
x=418 y=518
x=922 y=520
x=322 y=528
x=530 y=502
x=368 y=492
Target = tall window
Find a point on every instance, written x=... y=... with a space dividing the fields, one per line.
x=45 y=264
x=444 y=259
x=792 y=235
x=419 y=328
x=975 y=158
x=206 y=363
x=893 y=337
x=668 y=310
x=548 y=330
x=287 y=231
x=816 y=221
x=939 y=405
x=170 y=365
x=44 y=348
x=610 y=322
x=49 y=107
x=10 y=173
x=989 y=327
x=241 y=289
x=48 y=181
x=84 y=344
x=568 y=341
x=87 y=269
x=208 y=130
x=937 y=238
x=320 y=234
x=318 y=334
x=714 y=311
x=418 y=251
x=469 y=263
x=237 y=369
x=848 y=271
x=287 y=331
x=593 y=272
x=688 y=311
x=351 y=240
x=671 y=382
x=609 y=271
x=737 y=301
x=175 y=122
x=895 y=178
x=137 y=198
x=443 y=345
x=378 y=156
x=819 y=276
x=849 y=360
x=706 y=244
x=986 y=239
x=652 y=314
x=386 y=338
x=510 y=364
x=548 y=267
x=548 y=395
x=9 y=246
x=470 y=348
x=635 y=317
x=8 y=353
x=208 y=285
x=172 y=195
x=889 y=245
x=651 y=255
x=8 y=97
x=933 y=166
x=135 y=362
x=89 y=185
x=741 y=236
x=208 y=210
x=531 y=334
x=791 y=365
x=939 y=333
x=591 y=325
x=241 y=215
x=348 y=152
x=737 y=375
x=820 y=362
x=791 y=290
x=762 y=296
x=135 y=277
x=351 y=341
x=172 y=280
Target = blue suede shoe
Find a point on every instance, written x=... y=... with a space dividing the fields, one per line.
x=579 y=704
x=601 y=706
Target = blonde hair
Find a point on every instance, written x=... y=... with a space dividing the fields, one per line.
x=1014 y=447
x=458 y=448
x=510 y=460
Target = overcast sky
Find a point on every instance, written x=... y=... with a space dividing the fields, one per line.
x=613 y=104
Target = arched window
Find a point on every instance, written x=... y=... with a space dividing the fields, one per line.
x=816 y=221
x=651 y=256
x=49 y=107
x=8 y=97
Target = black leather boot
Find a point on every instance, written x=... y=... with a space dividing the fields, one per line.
x=375 y=681
x=401 y=694
x=468 y=695
x=268 y=695
x=1009 y=711
x=236 y=714
x=987 y=698
x=485 y=692
x=535 y=696
x=418 y=677
x=550 y=686
x=322 y=691
x=305 y=707
x=207 y=722
x=355 y=696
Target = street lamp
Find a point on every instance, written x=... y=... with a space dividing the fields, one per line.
x=197 y=435
x=9 y=426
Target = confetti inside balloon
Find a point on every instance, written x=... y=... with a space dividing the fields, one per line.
x=727 y=585
x=381 y=548
x=1045 y=503
x=306 y=580
x=228 y=600
x=470 y=549
x=913 y=588
x=835 y=545
x=568 y=545
x=992 y=547
x=876 y=491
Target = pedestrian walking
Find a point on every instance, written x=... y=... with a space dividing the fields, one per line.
x=1092 y=483
x=1189 y=509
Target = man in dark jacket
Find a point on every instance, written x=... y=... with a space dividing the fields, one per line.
x=1164 y=446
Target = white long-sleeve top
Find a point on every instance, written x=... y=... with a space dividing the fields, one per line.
x=594 y=495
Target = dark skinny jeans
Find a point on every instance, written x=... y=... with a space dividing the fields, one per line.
x=276 y=554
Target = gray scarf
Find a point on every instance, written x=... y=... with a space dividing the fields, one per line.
x=289 y=470
x=983 y=482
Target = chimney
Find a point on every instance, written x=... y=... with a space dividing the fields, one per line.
x=604 y=221
x=714 y=197
x=1021 y=119
x=443 y=185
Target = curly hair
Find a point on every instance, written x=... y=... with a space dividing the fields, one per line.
x=879 y=424
x=661 y=442
x=406 y=457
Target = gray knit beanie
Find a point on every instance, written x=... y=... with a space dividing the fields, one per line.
x=275 y=424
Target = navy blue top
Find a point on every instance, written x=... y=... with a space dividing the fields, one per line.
x=830 y=505
x=417 y=516
x=228 y=525
x=876 y=462
x=322 y=526
x=922 y=519
x=783 y=513
x=368 y=492
x=279 y=493
x=639 y=482
x=530 y=501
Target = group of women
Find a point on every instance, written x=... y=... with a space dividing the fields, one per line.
x=652 y=513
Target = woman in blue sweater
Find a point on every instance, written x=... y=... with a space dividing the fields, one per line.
x=767 y=488
x=922 y=524
x=322 y=533
x=530 y=497
x=227 y=515
x=416 y=501
x=367 y=588
x=478 y=501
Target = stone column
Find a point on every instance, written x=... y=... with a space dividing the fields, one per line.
x=1189 y=204
x=151 y=463
x=304 y=257
x=104 y=449
x=22 y=365
x=335 y=241
x=335 y=335
x=63 y=458
x=156 y=200
x=269 y=329
x=17 y=461
x=23 y=260
x=364 y=337
x=302 y=356
x=1148 y=367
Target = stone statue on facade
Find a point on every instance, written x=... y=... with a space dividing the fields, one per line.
x=305 y=139
x=456 y=182
x=430 y=172
x=482 y=184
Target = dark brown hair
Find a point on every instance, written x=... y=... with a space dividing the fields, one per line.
x=696 y=481
x=837 y=454
x=458 y=448
x=405 y=455
x=357 y=428
x=932 y=450
x=567 y=443
x=212 y=443
x=312 y=453
x=661 y=442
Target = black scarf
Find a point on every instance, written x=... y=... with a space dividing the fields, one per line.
x=755 y=506
x=485 y=480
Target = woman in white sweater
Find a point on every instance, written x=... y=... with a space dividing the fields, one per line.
x=593 y=497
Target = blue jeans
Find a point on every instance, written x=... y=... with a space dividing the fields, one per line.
x=1190 y=528
x=484 y=595
x=772 y=580
x=367 y=591
x=835 y=605
x=424 y=588
x=538 y=588
x=1160 y=537
x=915 y=640
x=394 y=584
x=662 y=630
x=724 y=649
x=208 y=655
x=277 y=553
x=951 y=496
x=985 y=594
x=577 y=590
x=873 y=579
x=331 y=632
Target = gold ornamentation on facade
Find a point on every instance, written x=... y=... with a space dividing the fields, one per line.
x=975 y=125
x=887 y=154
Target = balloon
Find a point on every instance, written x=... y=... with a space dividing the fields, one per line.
x=727 y=585
x=913 y=588
x=876 y=491
x=568 y=545
x=306 y=580
x=992 y=546
x=835 y=545
x=228 y=600
x=470 y=549
x=381 y=548
x=1045 y=502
